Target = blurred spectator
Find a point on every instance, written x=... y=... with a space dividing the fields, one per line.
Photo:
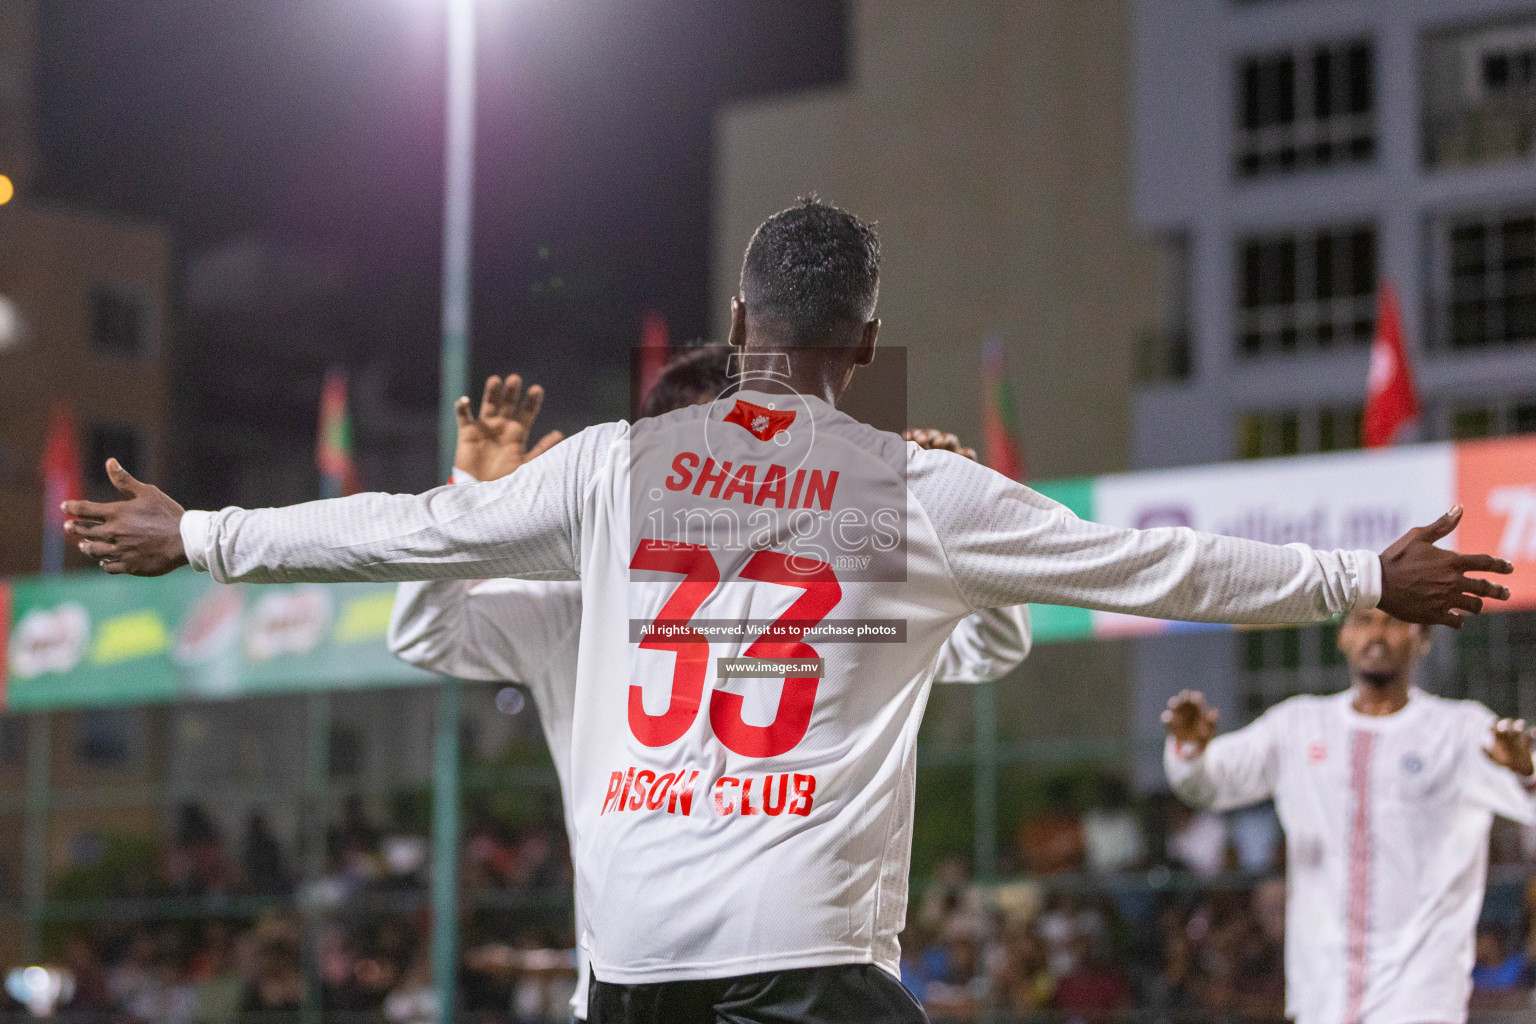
x=1094 y=985
x=951 y=900
x=1197 y=840
x=1112 y=833
x=954 y=983
x=196 y=866
x=220 y=988
x=278 y=985
x=1501 y=977
x=1020 y=976
x=265 y=871
x=1051 y=843
x=1256 y=838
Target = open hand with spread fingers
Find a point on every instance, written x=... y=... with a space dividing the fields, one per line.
x=939 y=440
x=1512 y=747
x=1429 y=585
x=1190 y=721
x=494 y=442
x=140 y=534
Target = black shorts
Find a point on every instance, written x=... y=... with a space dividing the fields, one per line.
x=843 y=994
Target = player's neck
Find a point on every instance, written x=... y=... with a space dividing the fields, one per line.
x=1378 y=699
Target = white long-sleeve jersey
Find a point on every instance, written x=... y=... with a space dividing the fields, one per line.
x=1386 y=826
x=526 y=631
x=763 y=823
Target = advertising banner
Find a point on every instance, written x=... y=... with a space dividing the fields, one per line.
x=87 y=639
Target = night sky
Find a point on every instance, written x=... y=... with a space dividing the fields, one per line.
x=317 y=127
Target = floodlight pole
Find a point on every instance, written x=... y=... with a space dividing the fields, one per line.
x=458 y=196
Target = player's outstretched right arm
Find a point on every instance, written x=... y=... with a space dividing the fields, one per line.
x=525 y=525
x=1217 y=772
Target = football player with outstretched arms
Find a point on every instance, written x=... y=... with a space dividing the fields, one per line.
x=1386 y=794
x=743 y=804
x=526 y=631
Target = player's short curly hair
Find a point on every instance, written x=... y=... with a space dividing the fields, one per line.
x=811 y=274
x=700 y=373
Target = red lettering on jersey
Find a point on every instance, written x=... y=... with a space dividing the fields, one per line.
x=794 y=494
x=642 y=785
x=805 y=789
x=797 y=698
x=746 y=797
x=712 y=474
x=773 y=486
x=614 y=782
x=684 y=465
x=681 y=800
x=1317 y=753
x=659 y=791
x=721 y=807
x=761 y=422
x=691 y=649
x=741 y=483
x=769 y=805
x=821 y=488
x=623 y=800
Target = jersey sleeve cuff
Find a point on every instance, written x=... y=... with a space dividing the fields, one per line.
x=194 y=538
x=1367 y=580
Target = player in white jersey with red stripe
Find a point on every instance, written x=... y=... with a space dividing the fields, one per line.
x=766 y=584
x=526 y=631
x=1386 y=794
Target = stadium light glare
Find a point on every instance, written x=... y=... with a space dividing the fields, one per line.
x=7 y=190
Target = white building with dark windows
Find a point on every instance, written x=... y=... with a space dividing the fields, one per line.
x=1291 y=155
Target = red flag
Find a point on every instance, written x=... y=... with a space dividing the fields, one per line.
x=60 y=468
x=333 y=450
x=1391 y=402
x=655 y=350
x=999 y=431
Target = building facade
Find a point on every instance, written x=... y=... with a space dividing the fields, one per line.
x=1290 y=157
x=990 y=140
x=84 y=308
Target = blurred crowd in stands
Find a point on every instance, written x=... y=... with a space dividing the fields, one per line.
x=1139 y=909
x=1157 y=910
x=207 y=935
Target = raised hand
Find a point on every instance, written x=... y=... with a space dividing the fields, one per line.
x=140 y=535
x=1512 y=747
x=495 y=442
x=1190 y=721
x=1425 y=584
x=939 y=440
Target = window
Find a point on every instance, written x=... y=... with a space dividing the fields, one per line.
x=1479 y=94
x=113 y=441
x=1307 y=108
x=1164 y=352
x=1496 y=417
x=119 y=320
x=1487 y=281
x=1306 y=291
x=109 y=737
x=1264 y=435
